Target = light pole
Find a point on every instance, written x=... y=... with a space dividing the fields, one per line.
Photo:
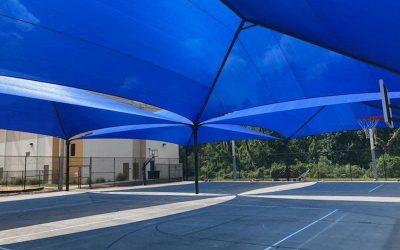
x=234 y=167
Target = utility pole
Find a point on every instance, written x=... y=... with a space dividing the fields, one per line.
x=234 y=167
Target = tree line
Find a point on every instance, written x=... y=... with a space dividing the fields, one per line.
x=335 y=155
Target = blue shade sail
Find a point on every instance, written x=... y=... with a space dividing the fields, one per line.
x=179 y=134
x=312 y=116
x=63 y=111
x=164 y=53
x=363 y=29
x=303 y=59
x=267 y=67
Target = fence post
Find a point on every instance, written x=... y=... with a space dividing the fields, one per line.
x=169 y=171
x=384 y=165
x=114 y=171
x=39 y=178
x=90 y=172
x=60 y=173
x=24 y=181
x=6 y=178
x=318 y=171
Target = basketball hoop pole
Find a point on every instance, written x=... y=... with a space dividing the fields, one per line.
x=368 y=124
x=373 y=156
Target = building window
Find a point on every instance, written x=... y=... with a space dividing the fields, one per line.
x=72 y=149
x=27 y=153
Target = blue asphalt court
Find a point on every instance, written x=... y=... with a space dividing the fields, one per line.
x=226 y=215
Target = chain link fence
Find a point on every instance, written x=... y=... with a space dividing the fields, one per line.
x=34 y=172
x=344 y=165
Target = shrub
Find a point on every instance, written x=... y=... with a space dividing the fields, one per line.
x=389 y=163
x=298 y=169
x=259 y=173
x=121 y=177
x=278 y=171
x=32 y=181
x=16 y=181
x=100 y=180
x=207 y=173
x=357 y=171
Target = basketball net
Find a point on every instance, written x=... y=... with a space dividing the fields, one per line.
x=368 y=124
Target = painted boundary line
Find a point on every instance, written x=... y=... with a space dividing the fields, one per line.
x=159 y=193
x=300 y=230
x=330 y=198
x=375 y=188
x=278 y=188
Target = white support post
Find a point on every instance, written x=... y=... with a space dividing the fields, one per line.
x=373 y=156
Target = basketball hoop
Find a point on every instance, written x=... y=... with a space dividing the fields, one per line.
x=369 y=122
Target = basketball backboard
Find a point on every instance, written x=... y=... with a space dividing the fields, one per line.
x=387 y=110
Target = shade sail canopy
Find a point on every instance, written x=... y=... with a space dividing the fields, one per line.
x=314 y=116
x=170 y=53
x=61 y=111
x=179 y=134
x=364 y=29
x=160 y=53
x=201 y=60
x=266 y=67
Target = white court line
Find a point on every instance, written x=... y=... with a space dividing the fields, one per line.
x=375 y=188
x=330 y=198
x=161 y=193
x=271 y=206
x=300 y=230
x=278 y=188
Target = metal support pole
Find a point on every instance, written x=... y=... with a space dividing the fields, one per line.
x=144 y=173
x=234 y=166
x=90 y=172
x=68 y=142
x=373 y=156
x=25 y=172
x=196 y=158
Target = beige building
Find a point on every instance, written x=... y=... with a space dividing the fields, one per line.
x=100 y=159
x=108 y=159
